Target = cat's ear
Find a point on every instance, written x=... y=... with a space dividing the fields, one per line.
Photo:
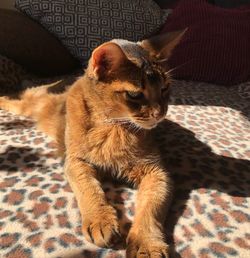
x=106 y=59
x=161 y=46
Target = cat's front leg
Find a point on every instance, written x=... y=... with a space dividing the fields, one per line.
x=100 y=224
x=146 y=236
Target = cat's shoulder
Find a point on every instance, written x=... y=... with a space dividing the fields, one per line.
x=75 y=92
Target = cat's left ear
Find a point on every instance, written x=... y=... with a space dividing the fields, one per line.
x=106 y=59
x=161 y=46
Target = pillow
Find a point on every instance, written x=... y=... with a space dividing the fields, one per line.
x=11 y=76
x=82 y=25
x=31 y=46
x=216 y=46
x=166 y=4
x=231 y=3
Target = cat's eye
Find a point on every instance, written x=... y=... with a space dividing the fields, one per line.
x=136 y=95
x=164 y=90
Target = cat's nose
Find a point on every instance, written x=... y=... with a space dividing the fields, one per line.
x=156 y=113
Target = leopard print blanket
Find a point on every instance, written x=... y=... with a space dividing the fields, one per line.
x=206 y=145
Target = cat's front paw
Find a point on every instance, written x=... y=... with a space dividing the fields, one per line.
x=101 y=227
x=139 y=246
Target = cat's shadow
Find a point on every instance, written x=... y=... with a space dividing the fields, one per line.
x=194 y=166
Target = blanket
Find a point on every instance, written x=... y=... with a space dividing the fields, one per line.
x=205 y=140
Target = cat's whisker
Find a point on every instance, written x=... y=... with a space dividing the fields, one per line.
x=135 y=127
x=142 y=119
x=117 y=121
x=120 y=118
x=162 y=60
x=168 y=73
x=124 y=120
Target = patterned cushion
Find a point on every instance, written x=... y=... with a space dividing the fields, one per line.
x=82 y=25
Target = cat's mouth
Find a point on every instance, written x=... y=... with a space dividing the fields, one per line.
x=148 y=124
x=135 y=123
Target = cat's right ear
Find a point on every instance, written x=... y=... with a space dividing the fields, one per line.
x=161 y=46
x=105 y=60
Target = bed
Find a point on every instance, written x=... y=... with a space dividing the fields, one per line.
x=205 y=142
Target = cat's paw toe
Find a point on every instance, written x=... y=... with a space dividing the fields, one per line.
x=101 y=229
x=138 y=247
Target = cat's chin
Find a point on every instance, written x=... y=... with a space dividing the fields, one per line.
x=148 y=125
x=138 y=125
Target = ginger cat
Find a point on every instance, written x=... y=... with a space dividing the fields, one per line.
x=103 y=124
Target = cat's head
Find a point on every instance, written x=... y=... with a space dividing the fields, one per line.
x=130 y=81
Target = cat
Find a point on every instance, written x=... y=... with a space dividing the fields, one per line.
x=105 y=124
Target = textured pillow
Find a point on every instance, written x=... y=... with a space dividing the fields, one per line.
x=231 y=3
x=216 y=47
x=166 y=4
x=31 y=46
x=82 y=25
x=11 y=75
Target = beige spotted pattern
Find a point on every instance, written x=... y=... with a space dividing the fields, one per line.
x=205 y=144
